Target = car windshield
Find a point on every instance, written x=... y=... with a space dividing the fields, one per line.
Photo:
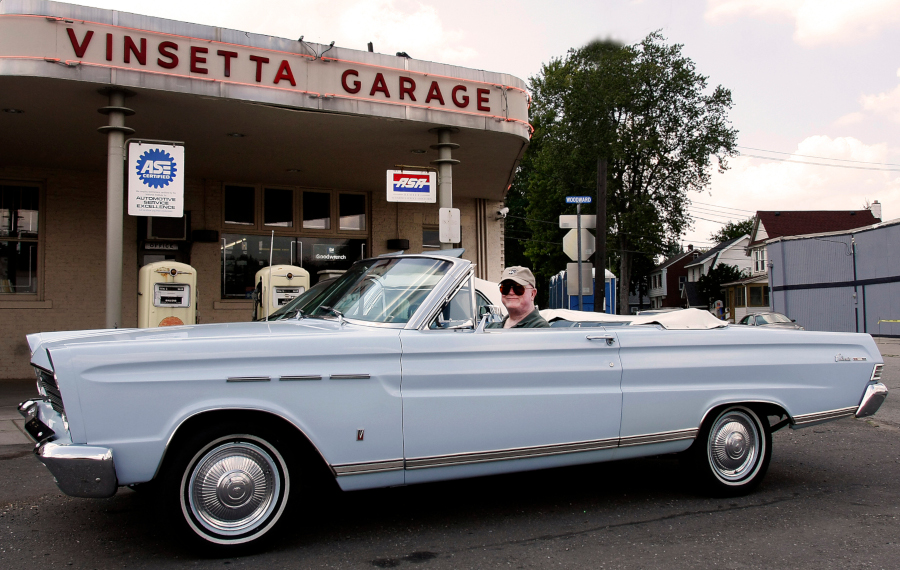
x=387 y=290
x=298 y=304
x=771 y=318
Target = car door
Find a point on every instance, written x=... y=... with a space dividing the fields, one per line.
x=507 y=399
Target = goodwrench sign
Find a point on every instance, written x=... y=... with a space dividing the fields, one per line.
x=155 y=179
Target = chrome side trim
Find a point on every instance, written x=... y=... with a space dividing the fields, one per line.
x=872 y=399
x=646 y=439
x=367 y=467
x=293 y=378
x=876 y=373
x=804 y=420
x=507 y=454
x=350 y=376
x=248 y=379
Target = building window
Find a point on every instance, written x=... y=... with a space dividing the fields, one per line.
x=759 y=260
x=19 y=239
x=240 y=205
x=431 y=238
x=759 y=296
x=681 y=281
x=316 y=211
x=244 y=255
x=352 y=212
x=278 y=207
x=740 y=299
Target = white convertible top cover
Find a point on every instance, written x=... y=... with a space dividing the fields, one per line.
x=686 y=319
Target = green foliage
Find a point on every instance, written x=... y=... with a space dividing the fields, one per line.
x=732 y=230
x=709 y=286
x=645 y=110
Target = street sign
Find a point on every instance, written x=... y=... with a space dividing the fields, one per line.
x=570 y=244
x=578 y=199
x=448 y=230
x=566 y=222
x=587 y=279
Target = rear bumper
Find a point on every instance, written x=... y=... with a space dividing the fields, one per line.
x=79 y=470
x=872 y=399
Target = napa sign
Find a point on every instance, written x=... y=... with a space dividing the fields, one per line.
x=155 y=178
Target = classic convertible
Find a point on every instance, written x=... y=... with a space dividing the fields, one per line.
x=390 y=377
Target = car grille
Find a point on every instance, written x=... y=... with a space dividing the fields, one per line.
x=47 y=381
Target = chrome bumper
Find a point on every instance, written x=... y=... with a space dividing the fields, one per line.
x=79 y=470
x=872 y=399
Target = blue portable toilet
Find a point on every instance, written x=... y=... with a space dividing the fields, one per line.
x=559 y=297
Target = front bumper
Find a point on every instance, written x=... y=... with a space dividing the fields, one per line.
x=79 y=470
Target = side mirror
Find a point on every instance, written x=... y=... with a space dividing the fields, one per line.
x=488 y=314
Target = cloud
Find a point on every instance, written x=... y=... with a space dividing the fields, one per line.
x=815 y=21
x=887 y=104
x=753 y=184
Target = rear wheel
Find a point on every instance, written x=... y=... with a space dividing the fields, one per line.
x=732 y=451
x=228 y=487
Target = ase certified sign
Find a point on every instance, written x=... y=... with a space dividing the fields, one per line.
x=155 y=179
x=411 y=186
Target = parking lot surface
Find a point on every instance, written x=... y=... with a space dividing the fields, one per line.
x=830 y=500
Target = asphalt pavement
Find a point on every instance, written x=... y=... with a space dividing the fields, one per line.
x=831 y=499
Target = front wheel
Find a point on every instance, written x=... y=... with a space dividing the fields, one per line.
x=732 y=451
x=231 y=488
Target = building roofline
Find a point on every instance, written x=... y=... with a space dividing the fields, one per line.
x=854 y=231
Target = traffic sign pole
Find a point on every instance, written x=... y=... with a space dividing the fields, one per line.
x=580 y=280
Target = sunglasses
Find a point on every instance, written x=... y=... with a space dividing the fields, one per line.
x=516 y=288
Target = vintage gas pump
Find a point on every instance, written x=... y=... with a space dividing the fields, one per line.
x=167 y=295
x=287 y=281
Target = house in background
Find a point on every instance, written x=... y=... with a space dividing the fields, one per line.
x=845 y=281
x=669 y=278
x=751 y=295
x=729 y=252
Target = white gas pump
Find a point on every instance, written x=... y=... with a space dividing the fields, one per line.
x=287 y=282
x=167 y=295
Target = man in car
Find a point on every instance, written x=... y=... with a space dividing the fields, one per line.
x=517 y=286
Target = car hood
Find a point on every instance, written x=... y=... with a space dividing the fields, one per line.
x=41 y=342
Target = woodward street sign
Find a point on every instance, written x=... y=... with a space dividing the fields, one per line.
x=578 y=199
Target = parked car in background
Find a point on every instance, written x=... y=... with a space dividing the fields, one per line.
x=389 y=376
x=770 y=320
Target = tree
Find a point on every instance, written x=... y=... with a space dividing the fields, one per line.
x=644 y=109
x=732 y=230
x=709 y=286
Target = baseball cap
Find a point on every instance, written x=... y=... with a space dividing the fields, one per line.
x=519 y=274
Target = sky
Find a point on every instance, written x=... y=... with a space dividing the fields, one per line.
x=815 y=83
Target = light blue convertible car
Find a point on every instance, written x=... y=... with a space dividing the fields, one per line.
x=389 y=377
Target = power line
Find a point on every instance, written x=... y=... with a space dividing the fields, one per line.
x=724 y=207
x=821 y=163
x=704 y=211
x=818 y=157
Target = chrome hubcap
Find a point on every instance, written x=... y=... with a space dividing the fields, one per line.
x=233 y=488
x=734 y=446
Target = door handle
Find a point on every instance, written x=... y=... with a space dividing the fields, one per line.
x=608 y=338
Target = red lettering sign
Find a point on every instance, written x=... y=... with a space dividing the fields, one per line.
x=108 y=47
x=131 y=48
x=227 y=55
x=164 y=50
x=196 y=60
x=434 y=92
x=284 y=72
x=483 y=99
x=356 y=84
x=461 y=103
x=79 y=48
x=380 y=85
x=407 y=87
x=259 y=63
